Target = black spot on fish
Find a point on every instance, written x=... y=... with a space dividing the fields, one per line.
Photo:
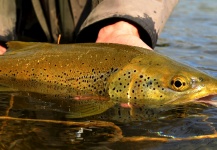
x=141 y=76
x=116 y=70
x=134 y=71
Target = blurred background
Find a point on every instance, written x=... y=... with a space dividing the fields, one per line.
x=190 y=35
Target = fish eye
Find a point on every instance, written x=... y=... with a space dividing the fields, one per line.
x=179 y=83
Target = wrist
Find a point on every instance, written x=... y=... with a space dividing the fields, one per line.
x=118 y=28
x=121 y=33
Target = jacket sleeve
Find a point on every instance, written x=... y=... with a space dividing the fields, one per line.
x=149 y=16
x=7 y=20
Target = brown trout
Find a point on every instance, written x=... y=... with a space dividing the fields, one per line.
x=106 y=72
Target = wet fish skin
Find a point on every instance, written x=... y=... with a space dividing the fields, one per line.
x=102 y=71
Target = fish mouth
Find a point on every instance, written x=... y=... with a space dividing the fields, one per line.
x=209 y=99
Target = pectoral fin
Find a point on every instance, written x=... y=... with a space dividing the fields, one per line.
x=7 y=89
x=87 y=108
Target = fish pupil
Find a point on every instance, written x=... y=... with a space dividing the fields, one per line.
x=178 y=83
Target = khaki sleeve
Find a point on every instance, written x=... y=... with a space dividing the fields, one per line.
x=149 y=16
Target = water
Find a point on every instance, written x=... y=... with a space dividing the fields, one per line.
x=190 y=36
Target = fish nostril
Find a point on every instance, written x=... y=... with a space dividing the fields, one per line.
x=200 y=79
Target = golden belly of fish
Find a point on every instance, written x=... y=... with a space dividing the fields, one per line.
x=102 y=72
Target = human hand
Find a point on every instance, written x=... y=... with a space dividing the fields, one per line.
x=2 y=50
x=122 y=33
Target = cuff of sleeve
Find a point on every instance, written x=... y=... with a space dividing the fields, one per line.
x=145 y=15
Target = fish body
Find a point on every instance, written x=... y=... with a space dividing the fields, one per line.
x=102 y=72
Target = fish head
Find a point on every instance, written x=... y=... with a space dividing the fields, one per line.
x=160 y=80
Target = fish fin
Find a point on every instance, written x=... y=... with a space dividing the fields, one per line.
x=20 y=46
x=7 y=89
x=87 y=108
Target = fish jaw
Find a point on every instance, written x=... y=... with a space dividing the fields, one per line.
x=209 y=92
x=208 y=100
x=208 y=96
